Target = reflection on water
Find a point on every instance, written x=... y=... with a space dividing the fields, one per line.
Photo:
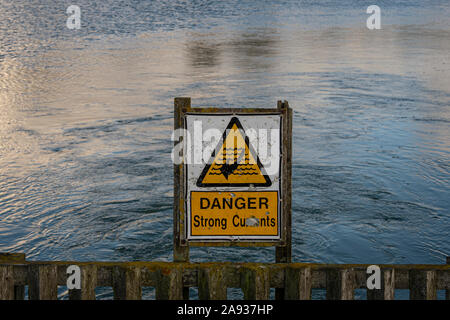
x=256 y=50
x=86 y=117
x=204 y=53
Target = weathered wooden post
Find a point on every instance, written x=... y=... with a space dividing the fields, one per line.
x=19 y=290
x=340 y=284
x=387 y=286
x=447 y=291
x=169 y=284
x=297 y=284
x=212 y=283
x=180 y=248
x=126 y=283
x=6 y=282
x=88 y=284
x=255 y=283
x=42 y=280
x=422 y=284
x=283 y=252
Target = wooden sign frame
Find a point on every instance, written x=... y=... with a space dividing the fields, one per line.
x=182 y=107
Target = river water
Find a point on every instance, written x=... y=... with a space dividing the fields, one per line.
x=86 y=117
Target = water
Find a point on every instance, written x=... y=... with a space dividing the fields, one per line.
x=86 y=117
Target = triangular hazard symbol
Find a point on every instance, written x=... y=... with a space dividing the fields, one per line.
x=234 y=162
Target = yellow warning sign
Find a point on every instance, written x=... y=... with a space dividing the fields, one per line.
x=234 y=213
x=234 y=162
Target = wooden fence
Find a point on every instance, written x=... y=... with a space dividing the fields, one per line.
x=172 y=280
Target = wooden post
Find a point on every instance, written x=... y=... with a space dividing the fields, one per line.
x=447 y=291
x=6 y=282
x=126 y=283
x=333 y=284
x=387 y=290
x=180 y=247
x=283 y=254
x=297 y=283
x=169 y=284
x=340 y=284
x=19 y=290
x=255 y=283
x=211 y=283
x=88 y=284
x=119 y=283
x=347 y=284
x=42 y=282
x=180 y=252
x=422 y=285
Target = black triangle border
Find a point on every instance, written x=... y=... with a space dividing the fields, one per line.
x=233 y=121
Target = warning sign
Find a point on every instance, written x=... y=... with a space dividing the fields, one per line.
x=234 y=194
x=234 y=213
x=234 y=163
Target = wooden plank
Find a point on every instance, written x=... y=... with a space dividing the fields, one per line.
x=447 y=291
x=297 y=284
x=340 y=284
x=401 y=278
x=170 y=284
x=42 y=282
x=283 y=253
x=389 y=284
x=180 y=246
x=180 y=250
x=6 y=257
x=6 y=282
x=104 y=276
x=422 y=285
x=21 y=274
x=133 y=288
x=277 y=273
x=333 y=284
x=319 y=278
x=126 y=283
x=347 y=284
x=88 y=284
x=255 y=283
x=190 y=277
x=119 y=283
x=236 y=111
x=387 y=290
x=211 y=283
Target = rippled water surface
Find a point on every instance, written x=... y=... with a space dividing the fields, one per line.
x=86 y=118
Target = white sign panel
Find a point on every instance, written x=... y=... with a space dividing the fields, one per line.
x=233 y=177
